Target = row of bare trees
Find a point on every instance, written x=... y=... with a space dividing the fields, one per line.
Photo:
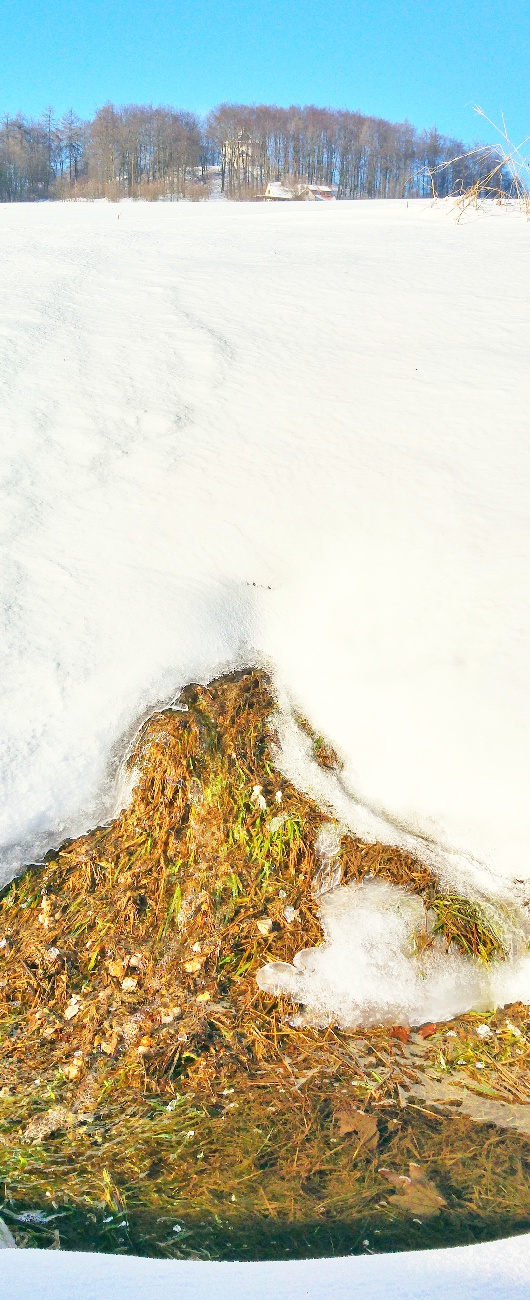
x=147 y=152
x=363 y=157
x=138 y=151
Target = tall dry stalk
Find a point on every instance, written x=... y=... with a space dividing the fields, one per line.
x=506 y=178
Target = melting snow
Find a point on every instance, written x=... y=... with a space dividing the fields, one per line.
x=367 y=971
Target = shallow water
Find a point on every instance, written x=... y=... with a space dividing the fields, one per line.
x=480 y=1172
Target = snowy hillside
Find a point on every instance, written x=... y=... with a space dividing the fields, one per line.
x=298 y=433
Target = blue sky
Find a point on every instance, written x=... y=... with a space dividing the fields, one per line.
x=425 y=60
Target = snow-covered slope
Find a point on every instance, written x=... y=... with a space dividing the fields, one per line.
x=496 y=1271
x=297 y=433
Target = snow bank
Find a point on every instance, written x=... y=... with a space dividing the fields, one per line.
x=287 y=433
x=497 y=1270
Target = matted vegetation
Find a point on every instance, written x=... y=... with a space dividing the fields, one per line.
x=153 y=1100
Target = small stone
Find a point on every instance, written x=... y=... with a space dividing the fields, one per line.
x=193 y=966
x=264 y=925
x=483 y=1031
x=168 y=1016
x=71 y=1071
x=291 y=914
x=72 y=1009
x=129 y=984
x=52 y=1121
x=131 y=1029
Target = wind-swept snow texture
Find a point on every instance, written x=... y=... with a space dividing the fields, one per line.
x=495 y=1271
x=293 y=433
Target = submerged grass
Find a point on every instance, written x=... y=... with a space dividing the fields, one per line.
x=159 y=1195
x=152 y=1099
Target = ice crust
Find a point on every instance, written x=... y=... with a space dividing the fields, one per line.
x=367 y=971
x=294 y=435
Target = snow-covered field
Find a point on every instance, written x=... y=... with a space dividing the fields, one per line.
x=291 y=434
x=496 y=1271
x=327 y=401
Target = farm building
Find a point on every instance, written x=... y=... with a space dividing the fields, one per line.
x=277 y=192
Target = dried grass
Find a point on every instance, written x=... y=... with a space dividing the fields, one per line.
x=505 y=178
x=142 y=1072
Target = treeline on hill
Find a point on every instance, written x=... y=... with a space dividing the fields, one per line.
x=151 y=153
